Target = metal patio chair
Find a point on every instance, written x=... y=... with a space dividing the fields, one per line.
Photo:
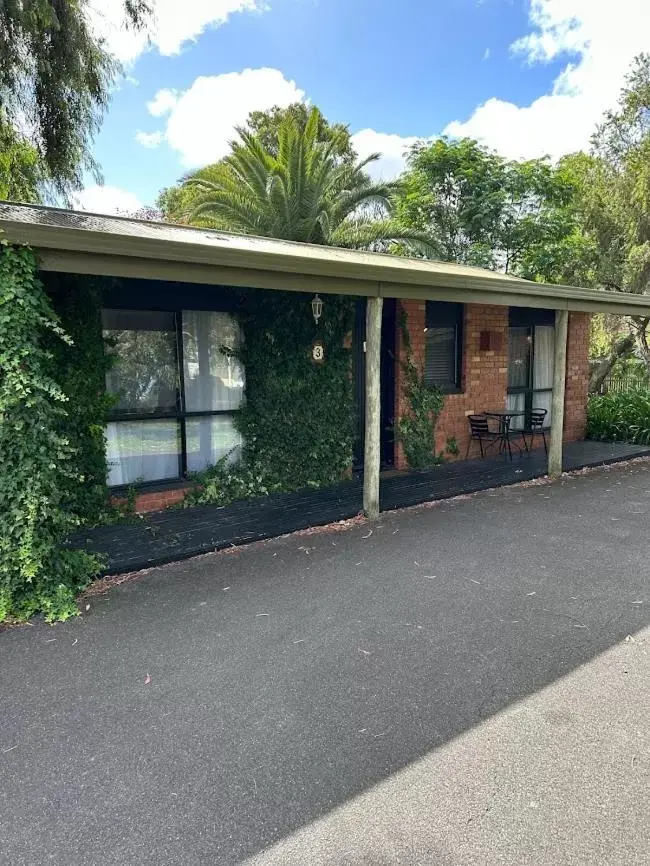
x=535 y=426
x=480 y=432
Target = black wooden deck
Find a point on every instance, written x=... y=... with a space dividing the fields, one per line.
x=178 y=534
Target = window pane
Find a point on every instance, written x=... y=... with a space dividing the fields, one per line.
x=210 y=439
x=544 y=349
x=440 y=357
x=518 y=357
x=144 y=372
x=214 y=378
x=142 y=451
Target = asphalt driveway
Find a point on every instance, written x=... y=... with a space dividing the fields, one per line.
x=462 y=684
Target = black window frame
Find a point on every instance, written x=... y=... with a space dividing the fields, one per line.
x=446 y=314
x=528 y=319
x=179 y=413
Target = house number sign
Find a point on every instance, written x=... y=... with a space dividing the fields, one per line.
x=318 y=352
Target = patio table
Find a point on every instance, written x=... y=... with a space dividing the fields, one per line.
x=504 y=417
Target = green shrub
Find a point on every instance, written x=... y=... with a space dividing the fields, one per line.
x=225 y=482
x=620 y=417
x=37 y=571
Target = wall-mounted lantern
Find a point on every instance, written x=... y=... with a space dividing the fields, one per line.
x=317 y=307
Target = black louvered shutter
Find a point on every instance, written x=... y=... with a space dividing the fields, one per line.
x=442 y=345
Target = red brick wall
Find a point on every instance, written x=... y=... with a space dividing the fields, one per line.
x=577 y=377
x=484 y=378
x=156 y=500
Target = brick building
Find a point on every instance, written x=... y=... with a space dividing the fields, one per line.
x=489 y=341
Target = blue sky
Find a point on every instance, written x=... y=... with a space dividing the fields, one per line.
x=527 y=77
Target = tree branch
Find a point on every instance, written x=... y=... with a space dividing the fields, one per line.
x=621 y=348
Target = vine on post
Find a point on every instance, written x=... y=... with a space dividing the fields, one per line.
x=37 y=462
x=416 y=428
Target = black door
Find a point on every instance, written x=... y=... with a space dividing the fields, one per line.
x=387 y=381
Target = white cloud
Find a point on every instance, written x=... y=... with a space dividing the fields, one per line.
x=173 y=24
x=107 y=200
x=486 y=54
x=149 y=139
x=162 y=102
x=201 y=121
x=599 y=43
x=393 y=149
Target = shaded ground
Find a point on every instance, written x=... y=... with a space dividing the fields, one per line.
x=352 y=697
x=172 y=535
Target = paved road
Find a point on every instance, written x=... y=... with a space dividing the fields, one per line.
x=454 y=688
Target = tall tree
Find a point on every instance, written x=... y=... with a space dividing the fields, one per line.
x=304 y=192
x=614 y=195
x=484 y=210
x=266 y=126
x=55 y=76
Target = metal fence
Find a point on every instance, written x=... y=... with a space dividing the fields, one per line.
x=621 y=384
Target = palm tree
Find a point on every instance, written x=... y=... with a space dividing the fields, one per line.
x=301 y=193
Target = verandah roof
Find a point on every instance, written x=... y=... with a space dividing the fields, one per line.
x=80 y=242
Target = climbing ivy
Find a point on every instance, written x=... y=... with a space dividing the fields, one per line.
x=416 y=428
x=80 y=370
x=297 y=422
x=37 y=462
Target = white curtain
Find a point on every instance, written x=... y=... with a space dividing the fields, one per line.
x=516 y=403
x=544 y=355
x=543 y=368
x=214 y=377
x=142 y=451
x=209 y=439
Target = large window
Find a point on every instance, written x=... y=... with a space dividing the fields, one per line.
x=443 y=345
x=178 y=383
x=531 y=341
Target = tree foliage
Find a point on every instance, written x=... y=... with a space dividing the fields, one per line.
x=304 y=193
x=55 y=76
x=37 y=571
x=483 y=210
x=613 y=199
x=22 y=173
x=266 y=126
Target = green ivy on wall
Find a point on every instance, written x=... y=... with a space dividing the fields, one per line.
x=37 y=461
x=80 y=370
x=298 y=418
x=417 y=427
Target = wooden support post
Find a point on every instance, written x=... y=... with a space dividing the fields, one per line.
x=557 y=403
x=372 y=449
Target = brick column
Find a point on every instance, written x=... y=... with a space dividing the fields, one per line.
x=577 y=377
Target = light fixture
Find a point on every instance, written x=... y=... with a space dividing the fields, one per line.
x=317 y=307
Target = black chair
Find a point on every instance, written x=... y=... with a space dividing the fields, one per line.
x=535 y=425
x=480 y=432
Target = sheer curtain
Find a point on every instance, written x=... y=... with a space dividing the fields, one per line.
x=543 y=368
x=142 y=451
x=214 y=381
